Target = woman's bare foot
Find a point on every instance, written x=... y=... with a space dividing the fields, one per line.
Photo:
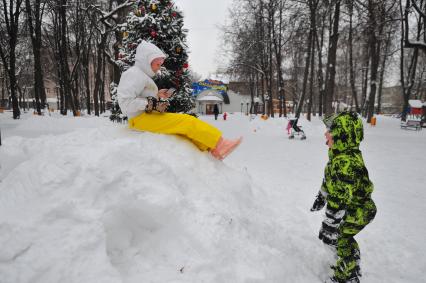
x=224 y=147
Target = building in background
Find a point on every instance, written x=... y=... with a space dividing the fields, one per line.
x=234 y=97
x=207 y=93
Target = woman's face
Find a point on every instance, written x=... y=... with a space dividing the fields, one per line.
x=329 y=138
x=156 y=64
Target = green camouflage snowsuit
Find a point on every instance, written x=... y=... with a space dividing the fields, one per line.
x=346 y=189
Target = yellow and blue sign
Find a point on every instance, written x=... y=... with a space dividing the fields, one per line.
x=218 y=86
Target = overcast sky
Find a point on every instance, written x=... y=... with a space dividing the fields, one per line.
x=201 y=18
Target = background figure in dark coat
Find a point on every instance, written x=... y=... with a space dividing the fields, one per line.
x=215 y=111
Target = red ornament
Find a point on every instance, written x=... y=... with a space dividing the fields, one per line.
x=154 y=33
x=186 y=65
x=174 y=14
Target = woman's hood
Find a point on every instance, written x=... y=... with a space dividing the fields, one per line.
x=145 y=53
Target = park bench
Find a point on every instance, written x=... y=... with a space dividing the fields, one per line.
x=411 y=125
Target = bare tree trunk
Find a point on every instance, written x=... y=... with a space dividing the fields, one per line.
x=331 y=61
x=311 y=83
x=35 y=16
x=407 y=86
x=252 y=91
x=3 y=89
x=103 y=84
x=79 y=45
x=305 y=75
x=382 y=73
x=262 y=91
x=270 y=25
x=260 y=29
x=256 y=108
x=277 y=39
x=98 y=72
x=85 y=60
x=21 y=98
x=11 y=13
x=375 y=29
x=313 y=8
x=320 y=74
x=65 y=72
x=351 y=57
x=309 y=54
x=365 y=72
x=401 y=60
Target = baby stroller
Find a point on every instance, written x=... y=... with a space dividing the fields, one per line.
x=294 y=130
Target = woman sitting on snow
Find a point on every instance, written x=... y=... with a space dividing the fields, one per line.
x=145 y=106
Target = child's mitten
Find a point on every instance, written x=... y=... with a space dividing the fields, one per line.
x=319 y=202
x=162 y=105
x=152 y=104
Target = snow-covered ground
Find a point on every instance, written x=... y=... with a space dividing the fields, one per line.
x=86 y=200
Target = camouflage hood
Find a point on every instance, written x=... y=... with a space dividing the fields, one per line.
x=346 y=129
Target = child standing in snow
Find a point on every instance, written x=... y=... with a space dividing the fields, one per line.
x=346 y=189
x=145 y=106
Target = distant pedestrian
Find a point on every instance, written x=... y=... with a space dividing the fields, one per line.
x=346 y=189
x=216 y=111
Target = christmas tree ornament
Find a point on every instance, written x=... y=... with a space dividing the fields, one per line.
x=153 y=21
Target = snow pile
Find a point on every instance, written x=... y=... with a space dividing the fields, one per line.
x=86 y=200
x=109 y=205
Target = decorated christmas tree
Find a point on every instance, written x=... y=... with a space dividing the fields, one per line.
x=159 y=22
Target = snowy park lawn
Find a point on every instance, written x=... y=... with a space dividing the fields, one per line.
x=86 y=200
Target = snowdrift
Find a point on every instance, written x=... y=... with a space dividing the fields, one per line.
x=85 y=200
x=104 y=204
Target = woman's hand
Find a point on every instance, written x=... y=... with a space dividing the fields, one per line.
x=162 y=93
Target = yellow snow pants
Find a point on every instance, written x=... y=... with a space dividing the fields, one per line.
x=200 y=133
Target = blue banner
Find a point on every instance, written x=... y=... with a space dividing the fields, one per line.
x=218 y=86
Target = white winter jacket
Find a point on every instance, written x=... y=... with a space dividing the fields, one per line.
x=136 y=83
